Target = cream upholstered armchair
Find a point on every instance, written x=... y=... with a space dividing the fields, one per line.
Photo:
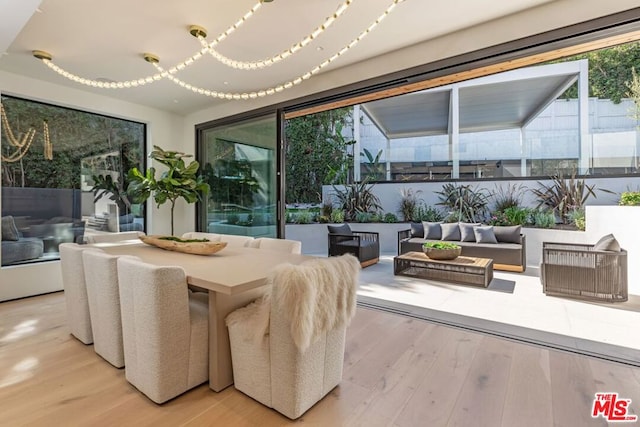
x=277 y=245
x=101 y=274
x=287 y=349
x=164 y=329
x=75 y=291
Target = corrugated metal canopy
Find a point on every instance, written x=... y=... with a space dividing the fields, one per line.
x=502 y=101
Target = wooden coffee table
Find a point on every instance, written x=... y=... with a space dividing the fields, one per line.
x=463 y=270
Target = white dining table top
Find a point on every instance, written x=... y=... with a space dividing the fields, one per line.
x=230 y=271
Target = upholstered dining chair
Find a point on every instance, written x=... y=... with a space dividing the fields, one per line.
x=287 y=350
x=101 y=274
x=277 y=245
x=75 y=291
x=165 y=329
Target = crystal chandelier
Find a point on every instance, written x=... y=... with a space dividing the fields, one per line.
x=210 y=48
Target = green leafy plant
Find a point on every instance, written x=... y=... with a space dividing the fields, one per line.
x=363 y=217
x=630 y=198
x=114 y=189
x=356 y=198
x=577 y=217
x=374 y=169
x=408 y=203
x=508 y=196
x=178 y=181
x=440 y=245
x=423 y=212
x=465 y=203
x=390 y=218
x=337 y=216
x=326 y=209
x=179 y=240
x=543 y=219
x=516 y=215
x=303 y=217
x=563 y=195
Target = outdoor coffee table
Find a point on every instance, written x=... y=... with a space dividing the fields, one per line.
x=463 y=270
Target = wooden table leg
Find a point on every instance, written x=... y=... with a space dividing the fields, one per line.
x=220 y=305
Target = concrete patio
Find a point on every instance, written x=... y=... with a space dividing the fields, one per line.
x=521 y=311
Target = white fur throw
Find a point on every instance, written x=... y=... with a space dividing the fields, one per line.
x=315 y=296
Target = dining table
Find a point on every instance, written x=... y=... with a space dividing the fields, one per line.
x=233 y=277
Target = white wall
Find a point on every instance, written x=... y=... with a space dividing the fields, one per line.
x=163 y=129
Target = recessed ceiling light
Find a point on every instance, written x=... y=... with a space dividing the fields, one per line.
x=225 y=83
x=319 y=48
x=175 y=101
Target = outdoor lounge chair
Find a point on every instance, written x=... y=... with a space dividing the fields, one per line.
x=364 y=245
x=584 y=271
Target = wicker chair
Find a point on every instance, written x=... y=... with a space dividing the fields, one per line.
x=580 y=271
x=364 y=245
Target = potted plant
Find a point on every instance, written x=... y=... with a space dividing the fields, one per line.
x=178 y=181
x=441 y=250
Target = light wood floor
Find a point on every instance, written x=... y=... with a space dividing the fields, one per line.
x=399 y=372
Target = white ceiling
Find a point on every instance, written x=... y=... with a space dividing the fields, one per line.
x=100 y=39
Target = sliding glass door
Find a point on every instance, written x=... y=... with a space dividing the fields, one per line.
x=239 y=162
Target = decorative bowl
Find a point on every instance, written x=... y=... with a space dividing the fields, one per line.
x=196 y=248
x=442 y=254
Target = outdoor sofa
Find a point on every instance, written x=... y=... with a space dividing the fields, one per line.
x=506 y=245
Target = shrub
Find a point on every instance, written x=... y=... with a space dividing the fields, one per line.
x=543 y=219
x=337 y=216
x=516 y=215
x=508 y=197
x=564 y=195
x=363 y=217
x=423 y=212
x=498 y=218
x=465 y=203
x=577 y=218
x=408 y=203
x=323 y=219
x=390 y=218
x=356 y=198
x=326 y=209
x=630 y=198
x=304 y=217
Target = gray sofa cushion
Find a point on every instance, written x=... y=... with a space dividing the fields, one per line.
x=484 y=234
x=432 y=230
x=507 y=233
x=466 y=231
x=417 y=229
x=9 y=230
x=450 y=231
x=340 y=229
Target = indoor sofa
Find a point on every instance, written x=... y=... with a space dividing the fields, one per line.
x=506 y=245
